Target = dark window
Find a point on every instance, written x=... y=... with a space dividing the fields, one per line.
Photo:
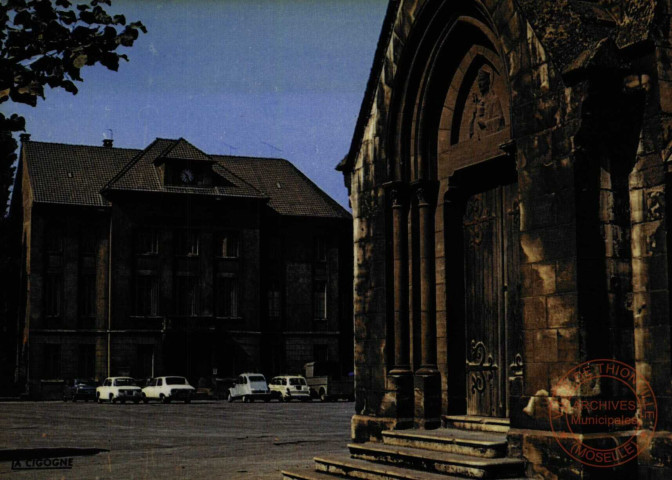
x=187 y=243
x=88 y=243
x=320 y=249
x=86 y=362
x=54 y=240
x=87 y=296
x=188 y=296
x=275 y=248
x=53 y=294
x=146 y=295
x=321 y=353
x=320 y=300
x=52 y=361
x=274 y=301
x=227 y=297
x=147 y=241
x=228 y=245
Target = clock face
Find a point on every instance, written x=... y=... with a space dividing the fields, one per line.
x=187 y=176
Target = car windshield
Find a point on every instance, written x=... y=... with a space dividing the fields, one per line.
x=176 y=381
x=257 y=378
x=90 y=383
x=297 y=381
x=124 y=382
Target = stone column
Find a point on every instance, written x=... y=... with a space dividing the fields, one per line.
x=400 y=378
x=427 y=378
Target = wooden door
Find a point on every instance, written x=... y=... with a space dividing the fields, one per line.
x=490 y=229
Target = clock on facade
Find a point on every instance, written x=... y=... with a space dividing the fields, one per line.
x=187 y=176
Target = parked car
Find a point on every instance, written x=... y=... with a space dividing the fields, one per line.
x=214 y=388
x=168 y=389
x=118 y=389
x=250 y=387
x=327 y=383
x=80 y=389
x=288 y=387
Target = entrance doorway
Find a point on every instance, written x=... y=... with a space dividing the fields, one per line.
x=490 y=236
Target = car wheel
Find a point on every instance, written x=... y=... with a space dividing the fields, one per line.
x=123 y=400
x=144 y=398
x=74 y=399
x=230 y=398
x=112 y=399
x=267 y=399
x=98 y=399
x=323 y=396
x=246 y=399
x=65 y=399
x=163 y=398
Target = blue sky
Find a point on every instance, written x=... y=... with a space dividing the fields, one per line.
x=275 y=78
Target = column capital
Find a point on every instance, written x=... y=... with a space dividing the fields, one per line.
x=397 y=193
x=425 y=191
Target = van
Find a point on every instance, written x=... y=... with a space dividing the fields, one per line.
x=250 y=387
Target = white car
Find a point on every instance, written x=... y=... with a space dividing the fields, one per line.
x=250 y=387
x=288 y=387
x=167 y=389
x=119 y=389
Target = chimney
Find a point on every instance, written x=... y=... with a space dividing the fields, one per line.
x=107 y=142
x=25 y=137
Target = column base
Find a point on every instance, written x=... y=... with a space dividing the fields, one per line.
x=427 y=383
x=400 y=385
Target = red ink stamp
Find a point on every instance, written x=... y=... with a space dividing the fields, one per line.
x=603 y=396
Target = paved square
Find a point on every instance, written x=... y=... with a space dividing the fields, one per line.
x=203 y=440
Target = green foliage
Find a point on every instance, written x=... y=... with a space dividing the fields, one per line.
x=47 y=43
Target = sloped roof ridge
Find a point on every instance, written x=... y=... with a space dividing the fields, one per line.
x=63 y=144
x=175 y=144
x=320 y=192
x=129 y=165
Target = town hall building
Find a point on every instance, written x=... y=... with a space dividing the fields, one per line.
x=168 y=260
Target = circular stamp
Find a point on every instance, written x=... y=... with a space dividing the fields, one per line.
x=603 y=396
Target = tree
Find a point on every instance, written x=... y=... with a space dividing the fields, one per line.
x=47 y=43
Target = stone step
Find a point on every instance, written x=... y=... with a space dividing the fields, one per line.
x=438 y=462
x=345 y=467
x=473 y=422
x=450 y=440
x=306 y=474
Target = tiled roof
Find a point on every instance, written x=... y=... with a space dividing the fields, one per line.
x=72 y=174
x=76 y=174
x=141 y=174
x=290 y=191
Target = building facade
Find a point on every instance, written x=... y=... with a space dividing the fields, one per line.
x=509 y=179
x=171 y=261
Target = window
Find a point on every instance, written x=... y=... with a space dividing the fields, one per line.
x=321 y=353
x=320 y=249
x=52 y=361
x=187 y=243
x=227 y=297
x=87 y=296
x=159 y=382
x=53 y=294
x=188 y=296
x=228 y=245
x=320 y=300
x=88 y=242
x=274 y=301
x=86 y=364
x=54 y=239
x=274 y=248
x=144 y=366
x=146 y=295
x=147 y=242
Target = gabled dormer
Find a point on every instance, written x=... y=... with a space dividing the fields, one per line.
x=183 y=165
